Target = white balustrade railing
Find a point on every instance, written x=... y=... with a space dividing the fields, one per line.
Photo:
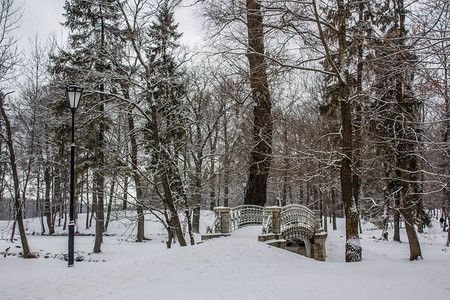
x=297 y=221
x=292 y=221
x=245 y=215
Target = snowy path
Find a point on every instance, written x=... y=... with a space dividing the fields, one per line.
x=236 y=267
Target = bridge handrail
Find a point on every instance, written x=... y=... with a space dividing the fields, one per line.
x=293 y=221
x=297 y=221
x=245 y=215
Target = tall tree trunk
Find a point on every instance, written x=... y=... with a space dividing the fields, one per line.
x=57 y=200
x=212 y=172
x=197 y=193
x=170 y=232
x=39 y=199
x=99 y=176
x=137 y=178
x=396 y=236
x=163 y=165
x=325 y=210
x=409 y=197
x=261 y=153
x=353 y=250
x=94 y=204
x=226 y=162
x=406 y=147
x=88 y=209
x=285 y=171
x=446 y=133
x=339 y=66
x=99 y=179
x=334 y=207
x=357 y=124
x=17 y=199
x=47 y=203
x=125 y=193
x=308 y=193
x=111 y=197
x=302 y=197
x=191 y=235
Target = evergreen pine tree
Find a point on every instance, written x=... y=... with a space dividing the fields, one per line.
x=398 y=116
x=166 y=109
x=94 y=43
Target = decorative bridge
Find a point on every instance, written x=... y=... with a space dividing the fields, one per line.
x=292 y=222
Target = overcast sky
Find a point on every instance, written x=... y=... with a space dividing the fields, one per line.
x=43 y=17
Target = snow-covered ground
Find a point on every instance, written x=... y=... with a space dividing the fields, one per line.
x=235 y=267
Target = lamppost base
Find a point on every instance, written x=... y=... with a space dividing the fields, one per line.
x=71 y=243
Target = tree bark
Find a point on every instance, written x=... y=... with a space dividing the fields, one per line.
x=197 y=194
x=446 y=133
x=357 y=124
x=226 y=162
x=99 y=176
x=406 y=147
x=47 y=203
x=94 y=203
x=88 y=209
x=212 y=172
x=325 y=210
x=261 y=153
x=396 y=236
x=285 y=170
x=111 y=197
x=39 y=207
x=353 y=250
x=17 y=199
x=99 y=179
x=137 y=179
x=334 y=204
x=163 y=160
x=125 y=193
x=197 y=188
x=191 y=235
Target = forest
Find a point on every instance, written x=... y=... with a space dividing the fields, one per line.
x=341 y=106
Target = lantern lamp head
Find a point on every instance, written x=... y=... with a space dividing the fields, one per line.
x=73 y=95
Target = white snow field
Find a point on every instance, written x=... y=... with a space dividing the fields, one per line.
x=235 y=267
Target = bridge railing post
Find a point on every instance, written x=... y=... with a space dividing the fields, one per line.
x=223 y=219
x=275 y=213
x=317 y=221
x=318 y=248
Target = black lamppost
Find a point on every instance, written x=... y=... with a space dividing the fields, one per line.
x=73 y=95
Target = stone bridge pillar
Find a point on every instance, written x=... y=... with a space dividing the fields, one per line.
x=223 y=214
x=317 y=221
x=275 y=212
x=273 y=234
x=318 y=248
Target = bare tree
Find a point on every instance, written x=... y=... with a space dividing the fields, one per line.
x=18 y=202
x=162 y=119
x=10 y=15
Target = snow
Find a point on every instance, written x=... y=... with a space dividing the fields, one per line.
x=234 y=267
